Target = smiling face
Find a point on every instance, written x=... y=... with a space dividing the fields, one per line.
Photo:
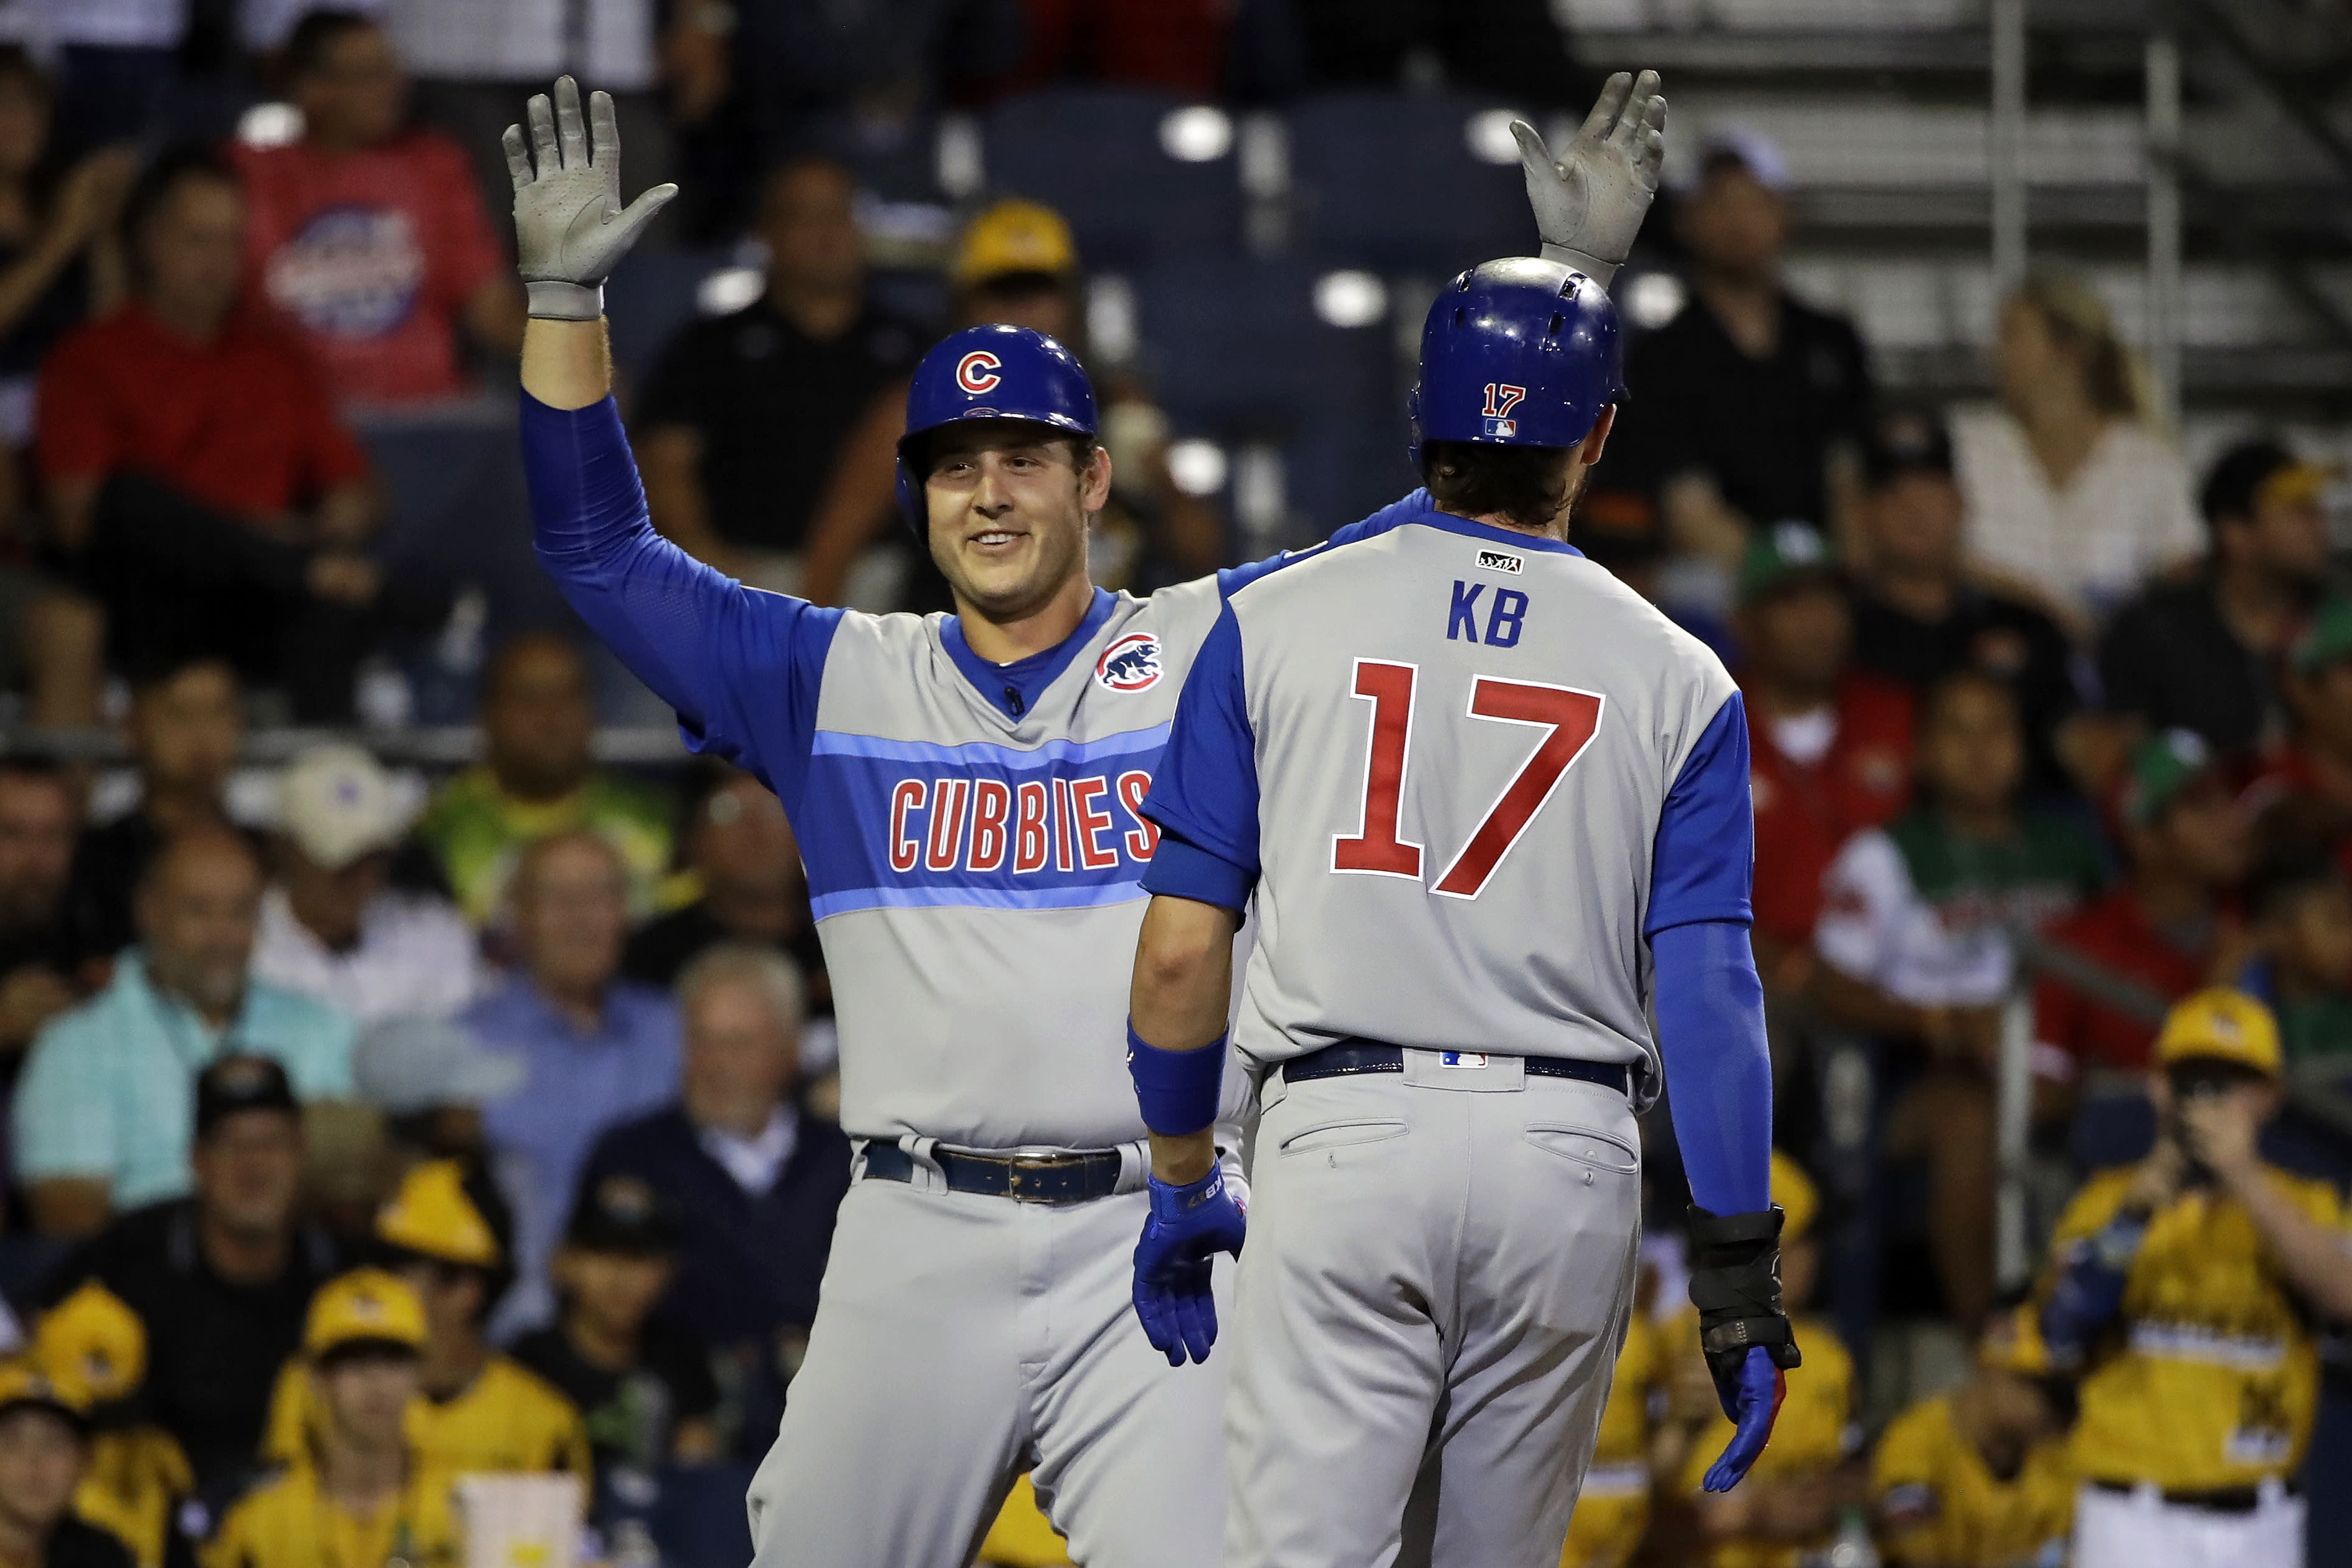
x=1008 y=501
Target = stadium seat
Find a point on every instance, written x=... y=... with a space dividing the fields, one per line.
x=1101 y=156
x=1391 y=182
x=1234 y=348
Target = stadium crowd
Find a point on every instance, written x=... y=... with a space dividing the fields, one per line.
x=364 y=1129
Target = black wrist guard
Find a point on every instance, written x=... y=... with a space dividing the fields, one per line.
x=1735 y=1284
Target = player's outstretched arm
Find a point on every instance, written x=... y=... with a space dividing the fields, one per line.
x=1590 y=201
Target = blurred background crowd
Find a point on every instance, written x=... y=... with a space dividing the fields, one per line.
x=357 y=912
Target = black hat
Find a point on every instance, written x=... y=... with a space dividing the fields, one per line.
x=1905 y=441
x=622 y=1214
x=235 y=1084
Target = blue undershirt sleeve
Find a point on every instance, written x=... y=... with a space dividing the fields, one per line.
x=1204 y=793
x=741 y=668
x=1703 y=864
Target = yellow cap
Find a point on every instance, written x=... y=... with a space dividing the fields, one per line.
x=1799 y=1199
x=93 y=1344
x=2298 y=485
x=1014 y=236
x=431 y=1214
x=2014 y=1342
x=366 y=1304
x=2220 y=1025
x=23 y=1382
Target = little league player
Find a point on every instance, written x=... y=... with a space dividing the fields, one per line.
x=1488 y=806
x=967 y=790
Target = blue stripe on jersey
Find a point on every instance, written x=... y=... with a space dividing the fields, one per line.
x=840 y=743
x=897 y=824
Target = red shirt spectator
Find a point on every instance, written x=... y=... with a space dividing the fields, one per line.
x=2073 y=1030
x=369 y=239
x=241 y=421
x=374 y=255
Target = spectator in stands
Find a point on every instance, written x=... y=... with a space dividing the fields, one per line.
x=753 y=1180
x=1179 y=48
x=430 y=1078
x=194 y=467
x=2110 y=969
x=370 y=235
x=2073 y=497
x=91 y=1344
x=2186 y=1449
x=43 y=1451
x=2303 y=789
x=595 y=1048
x=1790 y=1498
x=331 y=926
x=643 y=1382
x=38 y=816
x=773 y=389
x=1917 y=617
x=447 y=1233
x=102 y=1115
x=2203 y=654
x=1515 y=48
x=1828 y=746
x=1750 y=406
x=185 y=728
x=1913 y=944
x=220 y=1280
x=742 y=851
x=361 y=1485
x=1613 y=1509
x=2299 y=902
x=1980 y=1478
x=1016 y=263
x=539 y=777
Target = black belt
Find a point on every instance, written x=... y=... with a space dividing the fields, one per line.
x=1024 y=1178
x=1351 y=1057
x=2218 y=1500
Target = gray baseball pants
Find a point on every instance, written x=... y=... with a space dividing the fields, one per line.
x=1429 y=1309
x=962 y=1339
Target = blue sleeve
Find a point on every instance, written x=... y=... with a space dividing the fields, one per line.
x=1204 y=793
x=1703 y=866
x=741 y=667
x=1710 y=1007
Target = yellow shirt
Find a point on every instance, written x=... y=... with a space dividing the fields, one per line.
x=1939 y=1506
x=1808 y=1439
x=1021 y=1538
x=2213 y=1380
x=136 y=1477
x=291 y=1522
x=1613 y=1509
x=509 y=1420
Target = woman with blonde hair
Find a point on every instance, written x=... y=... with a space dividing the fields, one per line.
x=2072 y=496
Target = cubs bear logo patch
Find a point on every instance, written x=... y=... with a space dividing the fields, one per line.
x=1129 y=664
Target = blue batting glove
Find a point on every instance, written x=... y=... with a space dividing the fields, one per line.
x=1755 y=1406
x=1189 y=1225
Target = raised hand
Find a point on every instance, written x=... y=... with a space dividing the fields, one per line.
x=571 y=229
x=1590 y=202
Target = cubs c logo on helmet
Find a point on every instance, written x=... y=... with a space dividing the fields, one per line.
x=1129 y=664
x=977 y=371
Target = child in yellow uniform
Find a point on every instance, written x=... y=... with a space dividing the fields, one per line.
x=1612 y=1512
x=479 y=1409
x=1982 y=1477
x=1790 y=1498
x=44 y=1450
x=361 y=1495
x=93 y=1344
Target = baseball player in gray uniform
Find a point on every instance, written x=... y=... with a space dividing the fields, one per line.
x=967 y=790
x=1487 y=804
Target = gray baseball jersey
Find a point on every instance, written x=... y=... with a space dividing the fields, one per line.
x=1443 y=755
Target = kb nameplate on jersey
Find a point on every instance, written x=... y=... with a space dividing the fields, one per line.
x=1501 y=560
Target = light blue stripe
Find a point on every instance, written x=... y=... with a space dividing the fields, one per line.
x=1094 y=897
x=981 y=753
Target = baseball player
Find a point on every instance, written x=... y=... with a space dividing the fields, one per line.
x=1488 y=806
x=967 y=792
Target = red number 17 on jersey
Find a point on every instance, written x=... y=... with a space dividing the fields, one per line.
x=1567 y=717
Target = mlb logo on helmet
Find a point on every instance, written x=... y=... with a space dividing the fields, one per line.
x=977 y=371
x=1129 y=664
x=1501 y=428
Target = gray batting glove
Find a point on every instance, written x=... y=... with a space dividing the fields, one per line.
x=571 y=229
x=1590 y=202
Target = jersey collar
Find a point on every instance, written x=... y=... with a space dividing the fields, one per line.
x=1013 y=689
x=1510 y=537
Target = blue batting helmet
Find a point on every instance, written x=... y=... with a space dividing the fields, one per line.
x=1516 y=352
x=991 y=372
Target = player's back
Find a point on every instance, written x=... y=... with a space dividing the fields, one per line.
x=1465 y=739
